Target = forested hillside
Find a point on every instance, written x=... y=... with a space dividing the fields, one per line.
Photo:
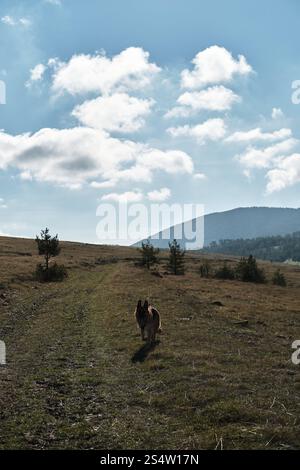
x=277 y=248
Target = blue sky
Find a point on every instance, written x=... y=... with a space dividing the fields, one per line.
x=155 y=101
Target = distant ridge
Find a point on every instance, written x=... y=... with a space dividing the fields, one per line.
x=242 y=222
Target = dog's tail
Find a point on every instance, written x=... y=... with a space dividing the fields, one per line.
x=156 y=317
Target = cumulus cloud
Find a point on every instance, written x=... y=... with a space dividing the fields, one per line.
x=214 y=65
x=73 y=157
x=159 y=195
x=287 y=173
x=129 y=196
x=265 y=158
x=54 y=2
x=216 y=98
x=2 y=204
x=212 y=129
x=36 y=74
x=199 y=176
x=12 y=21
x=257 y=135
x=118 y=112
x=178 y=111
x=85 y=73
x=277 y=113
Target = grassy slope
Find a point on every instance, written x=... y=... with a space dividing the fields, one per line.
x=77 y=377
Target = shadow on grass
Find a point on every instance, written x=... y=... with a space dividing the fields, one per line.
x=141 y=354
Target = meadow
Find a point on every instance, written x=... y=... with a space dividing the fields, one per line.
x=79 y=377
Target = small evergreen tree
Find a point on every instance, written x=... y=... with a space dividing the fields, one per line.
x=149 y=254
x=47 y=246
x=248 y=271
x=225 y=272
x=176 y=258
x=279 y=279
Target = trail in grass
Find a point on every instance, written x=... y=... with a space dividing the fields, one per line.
x=70 y=381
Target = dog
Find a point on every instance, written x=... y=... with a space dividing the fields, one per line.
x=148 y=320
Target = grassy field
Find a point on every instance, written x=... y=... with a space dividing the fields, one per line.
x=79 y=377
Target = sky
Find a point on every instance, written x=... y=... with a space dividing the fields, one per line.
x=166 y=101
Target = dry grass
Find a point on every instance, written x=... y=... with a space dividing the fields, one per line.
x=78 y=376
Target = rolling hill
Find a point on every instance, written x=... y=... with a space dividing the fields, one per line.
x=245 y=222
x=79 y=377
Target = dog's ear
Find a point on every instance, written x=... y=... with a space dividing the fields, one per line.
x=139 y=304
x=146 y=304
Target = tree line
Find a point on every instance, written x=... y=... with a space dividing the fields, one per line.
x=276 y=248
x=247 y=269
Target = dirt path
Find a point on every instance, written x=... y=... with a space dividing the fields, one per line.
x=70 y=381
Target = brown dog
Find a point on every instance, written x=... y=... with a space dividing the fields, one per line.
x=148 y=320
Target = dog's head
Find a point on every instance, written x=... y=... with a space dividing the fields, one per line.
x=142 y=310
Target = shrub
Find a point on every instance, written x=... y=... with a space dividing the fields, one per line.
x=279 y=279
x=248 y=271
x=226 y=272
x=55 y=272
x=205 y=269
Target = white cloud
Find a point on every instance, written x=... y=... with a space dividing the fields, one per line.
x=82 y=74
x=11 y=21
x=178 y=111
x=257 y=135
x=36 y=74
x=277 y=113
x=171 y=162
x=103 y=184
x=216 y=98
x=119 y=112
x=212 y=129
x=214 y=65
x=7 y=19
x=73 y=157
x=25 y=22
x=2 y=204
x=129 y=196
x=199 y=176
x=54 y=2
x=287 y=173
x=267 y=157
x=159 y=195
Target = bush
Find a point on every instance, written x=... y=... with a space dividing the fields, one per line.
x=248 y=271
x=225 y=273
x=279 y=279
x=205 y=269
x=55 y=272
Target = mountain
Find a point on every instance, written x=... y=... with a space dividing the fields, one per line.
x=243 y=222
